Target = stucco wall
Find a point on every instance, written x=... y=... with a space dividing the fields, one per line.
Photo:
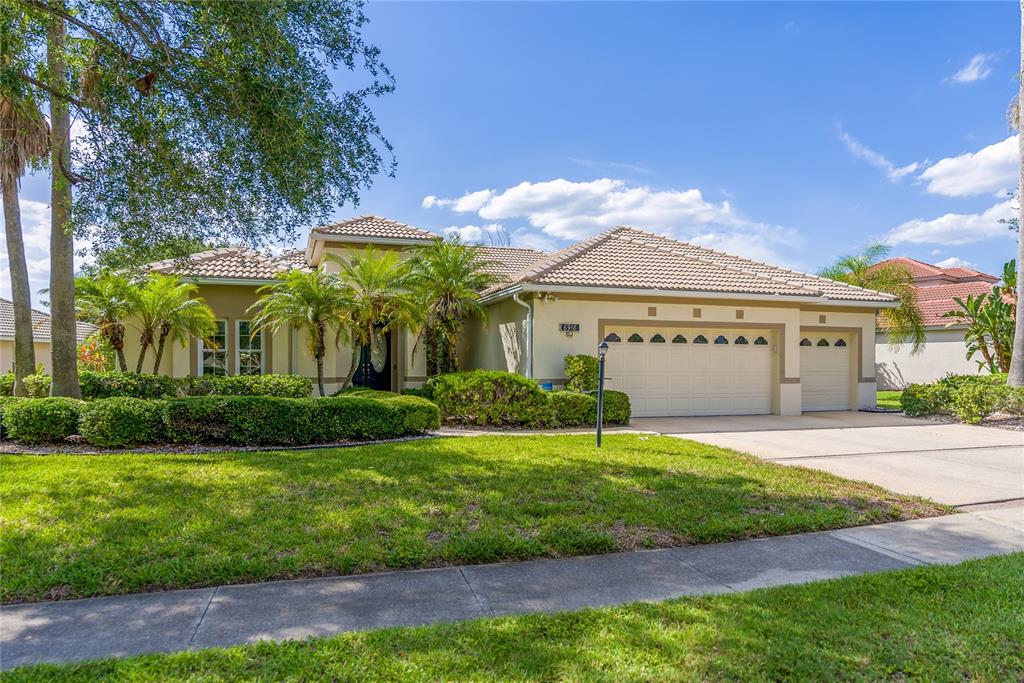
x=42 y=350
x=944 y=353
x=501 y=343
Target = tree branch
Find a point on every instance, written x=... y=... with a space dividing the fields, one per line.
x=71 y=99
x=88 y=28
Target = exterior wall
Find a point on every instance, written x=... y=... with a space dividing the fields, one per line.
x=944 y=352
x=42 y=350
x=501 y=345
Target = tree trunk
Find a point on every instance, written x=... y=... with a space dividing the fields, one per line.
x=159 y=353
x=143 y=347
x=21 y=294
x=123 y=365
x=357 y=352
x=63 y=339
x=117 y=342
x=1016 y=374
x=320 y=373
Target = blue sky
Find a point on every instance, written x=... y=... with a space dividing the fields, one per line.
x=792 y=133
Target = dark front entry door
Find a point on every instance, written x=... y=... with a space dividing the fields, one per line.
x=367 y=375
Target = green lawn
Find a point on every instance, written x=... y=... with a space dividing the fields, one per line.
x=962 y=622
x=75 y=526
x=889 y=399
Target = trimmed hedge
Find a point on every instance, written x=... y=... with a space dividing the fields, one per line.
x=239 y=420
x=6 y=401
x=42 y=420
x=581 y=373
x=356 y=417
x=121 y=421
x=968 y=398
x=490 y=398
x=7 y=384
x=418 y=414
x=282 y=386
x=96 y=385
x=37 y=385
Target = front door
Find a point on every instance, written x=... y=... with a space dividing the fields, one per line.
x=374 y=371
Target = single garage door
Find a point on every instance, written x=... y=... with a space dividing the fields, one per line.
x=825 y=372
x=669 y=372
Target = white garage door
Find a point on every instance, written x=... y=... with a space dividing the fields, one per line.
x=825 y=372
x=669 y=372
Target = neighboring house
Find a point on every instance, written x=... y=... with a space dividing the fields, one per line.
x=692 y=331
x=945 y=351
x=40 y=336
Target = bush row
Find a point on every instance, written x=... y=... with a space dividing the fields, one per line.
x=130 y=384
x=504 y=399
x=233 y=420
x=968 y=398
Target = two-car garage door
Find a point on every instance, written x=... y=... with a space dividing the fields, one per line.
x=692 y=371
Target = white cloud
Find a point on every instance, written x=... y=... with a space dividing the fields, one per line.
x=35 y=229
x=955 y=228
x=976 y=69
x=474 y=233
x=988 y=170
x=561 y=210
x=955 y=262
x=861 y=151
x=466 y=203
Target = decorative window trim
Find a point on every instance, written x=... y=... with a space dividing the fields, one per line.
x=657 y=339
x=822 y=342
x=741 y=340
x=635 y=338
x=223 y=350
x=840 y=342
x=238 y=348
x=700 y=339
x=679 y=339
x=760 y=341
x=805 y=342
x=721 y=340
x=613 y=338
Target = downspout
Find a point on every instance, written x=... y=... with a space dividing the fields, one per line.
x=529 y=333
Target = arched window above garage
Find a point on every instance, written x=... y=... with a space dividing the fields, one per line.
x=823 y=342
x=613 y=337
x=635 y=339
x=679 y=339
x=657 y=339
x=740 y=340
x=700 y=339
x=840 y=342
x=805 y=342
x=720 y=339
x=760 y=341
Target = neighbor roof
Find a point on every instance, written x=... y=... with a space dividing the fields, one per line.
x=627 y=258
x=40 y=324
x=376 y=227
x=231 y=263
x=925 y=273
x=936 y=300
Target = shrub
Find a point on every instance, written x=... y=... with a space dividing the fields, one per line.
x=6 y=401
x=921 y=399
x=617 y=409
x=421 y=392
x=121 y=421
x=240 y=420
x=96 y=385
x=571 y=408
x=581 y=373
x=364 y=392
x=490 y=397
x=974 y=401
x=1014 y=403
x=37 y=385
x=7 y=384
x=355 y=417
x=418 y=414
x=42 y=420
x=283 y=386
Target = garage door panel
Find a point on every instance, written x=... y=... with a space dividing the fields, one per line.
x=664 y=379
x=825 y=376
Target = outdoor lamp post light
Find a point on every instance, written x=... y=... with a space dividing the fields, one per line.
x=602 y=351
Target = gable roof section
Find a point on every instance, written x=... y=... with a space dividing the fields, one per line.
x=925 y=274
x=936 y=300
x=507 y=261
x=375 y=227
x=627 y=258
x=231 y=263
x=40 y=324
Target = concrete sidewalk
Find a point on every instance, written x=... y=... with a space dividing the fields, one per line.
x=229 y=615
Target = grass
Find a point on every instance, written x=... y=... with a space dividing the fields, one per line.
x=962 y=622
x=77 y=526
x=890 y=400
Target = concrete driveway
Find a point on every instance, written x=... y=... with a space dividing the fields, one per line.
x=950 y=463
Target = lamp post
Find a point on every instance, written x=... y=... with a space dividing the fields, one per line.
x=602 y=351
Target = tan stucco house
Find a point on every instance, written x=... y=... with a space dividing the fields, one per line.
x=945 y=351
x=40 y=336
x=692 y=331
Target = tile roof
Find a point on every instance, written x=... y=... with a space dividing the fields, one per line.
x=40 y=324
x=628 y=258
x=376 y=226
x=926 y=272
x=938 y=299
x=231 y=263
x=507 y=261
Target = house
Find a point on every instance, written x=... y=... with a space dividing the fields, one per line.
x=945 y=351
x=692 y=331
x=40 y=336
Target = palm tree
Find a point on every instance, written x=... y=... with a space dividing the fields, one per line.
x=989 y=321
x=167 y=307
x=24 y=139
x=903 y=323
x=1015 y=377
x=106 y=301
x=446 y=279
x=311 y=301
x=375 y=285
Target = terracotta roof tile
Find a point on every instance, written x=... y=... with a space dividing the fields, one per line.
x=230 y=263
x=507 y=261
x=40 y=325
x=376 y=226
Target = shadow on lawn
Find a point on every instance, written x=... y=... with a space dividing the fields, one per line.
x=78 y=526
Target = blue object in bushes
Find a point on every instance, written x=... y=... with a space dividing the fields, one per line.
x=547 y=386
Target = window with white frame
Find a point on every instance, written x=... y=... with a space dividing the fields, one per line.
x=213 y=356
x=250 y=349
